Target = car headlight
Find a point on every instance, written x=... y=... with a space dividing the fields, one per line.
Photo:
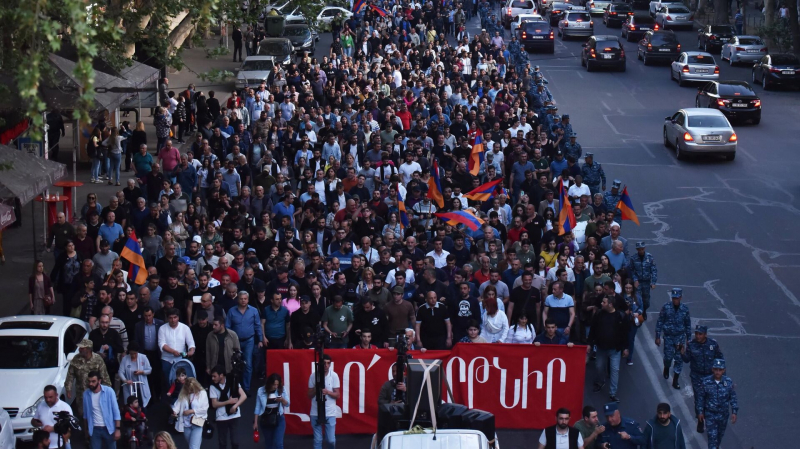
x=30 y=411
x=308 y=42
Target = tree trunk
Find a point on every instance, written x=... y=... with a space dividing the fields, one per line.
x=769 y=12
x=720 y=12
x=794 y=27
x=180 y=33
x=130 y=49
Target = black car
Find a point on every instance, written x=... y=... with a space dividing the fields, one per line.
x=658 y=45
x=735 y=99
x=777 y=69
x=636 y=25
x=536 y=35
x=603 y=51
x=557 y=11
x=711 y=38
x=617 y=14
x=302 y=36
x=640 y=4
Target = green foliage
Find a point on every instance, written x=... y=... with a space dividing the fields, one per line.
x=215 y=75
x=216 y=52
x=778 y=34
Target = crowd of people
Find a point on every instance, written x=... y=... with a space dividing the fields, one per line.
x=306 y=203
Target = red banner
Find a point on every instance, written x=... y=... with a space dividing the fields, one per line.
x=523 y=385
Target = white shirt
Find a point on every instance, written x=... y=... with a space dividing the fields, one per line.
x=222 y=415
x=97 y=412
x=44 y=413
x=406 y=170
x=331 y=383
x=390 y=280
x=551 y=275
x=562 y=439
x=575 y=191
x=179 y=339
x=522 y=335
x=439 y=259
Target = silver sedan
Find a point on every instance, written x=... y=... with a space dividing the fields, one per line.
x=674 y=16
x=700 y=130
x=597 y=7
x=694 y=66
x=744 y=49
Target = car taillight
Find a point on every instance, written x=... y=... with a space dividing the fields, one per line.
x=655 y=27
x=716 y=70
x=524 y=35
x=711 y=38
x=679 y=47
x=509 y=11
x=764 y=50
x=733 y=138
x=591 y=5
x=612 y=13
x=739 y=48
x=721 y=102
x=630 y=13
x=551 y=35
x=592 y=54
x=621 y=53
x=756 y=103
x=649 y=47
x=774 y=70
x=688 y=137
x=668 y=17
x=566 y=24
x=591 y=24
x=685 y=69
x=607 y=49
x=633 y=28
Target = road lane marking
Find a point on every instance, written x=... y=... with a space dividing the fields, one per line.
x=647 y=149
x=707 y=219
x=605 y=105
x=747 y=154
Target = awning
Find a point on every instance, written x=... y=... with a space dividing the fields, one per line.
x=28 y=175
x=7 y=216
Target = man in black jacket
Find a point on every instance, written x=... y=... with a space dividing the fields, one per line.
x=368 y=316
x=609 y=332
x=561 y=434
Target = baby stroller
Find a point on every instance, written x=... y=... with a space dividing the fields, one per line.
x=186 y=365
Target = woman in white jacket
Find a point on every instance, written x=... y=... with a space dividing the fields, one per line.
x=521 y=332
x=192 y=403
x=494 y=327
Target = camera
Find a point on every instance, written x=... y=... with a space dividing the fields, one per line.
x=237 y=363
x=64 y=425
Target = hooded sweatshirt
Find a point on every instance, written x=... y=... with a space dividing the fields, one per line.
x=664 y=437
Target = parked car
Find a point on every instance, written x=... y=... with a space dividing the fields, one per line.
x=694 y=66
x=771 y=70
x=658 y=45
x=536 y=35
x=328 y=13
x=516 y=7
x=636 y=25
x=748 y=49
x=279 y=48
x=253 y=71
x=603 y=51
x=617 y=14
x=697 y=130
x=711 y=38
x=675 y=16
x=735 y=99
x=36 y=351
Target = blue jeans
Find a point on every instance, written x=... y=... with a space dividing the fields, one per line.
x=247 y=353
x=273 y=438
x=193 y=435
x=631 y=340
x=348 y=51
x=101 y=439
x=114 y=161
x=96 y=167
x=330 y=432
x=607 y=356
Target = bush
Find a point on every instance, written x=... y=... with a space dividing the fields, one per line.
x=778 y=35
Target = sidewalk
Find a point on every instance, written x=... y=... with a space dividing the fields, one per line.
x=17 y=242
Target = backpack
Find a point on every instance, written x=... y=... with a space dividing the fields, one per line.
x=91 y=149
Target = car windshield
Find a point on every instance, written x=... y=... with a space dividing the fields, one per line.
x=272 y=48
x=721 y=29
x=257 y=65
x=663 y=39
x=642 y=20
x=707 y=121
x=607 y=44
x=700 y=59
x=536 y=27
x=750 y=41
x=735 y=89
x=579 y=17
x=679 y=10
x=785 y=59
x=622 y=8
x=560 y=6
x=523 y=5
x=300 y=31
x=21 y=352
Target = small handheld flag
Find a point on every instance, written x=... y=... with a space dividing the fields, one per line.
x=625 y=205
x=435 y=186
x=132 y=252
x=464 y=217
x=477 y=155
x=485 y=191
x=566 y=217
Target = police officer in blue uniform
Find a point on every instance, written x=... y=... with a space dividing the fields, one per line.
x=567 y=126
x=539 y=75
x=643 y=269
x=611 y=199
x=700 y=354
x=514 y=49
x=675 y=324
x=572 y=148
x=593 y=174
x=621 y=432
x=716 y=402
x=552 y=110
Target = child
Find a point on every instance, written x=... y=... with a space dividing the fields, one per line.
x=134 y=418
x=177 y=385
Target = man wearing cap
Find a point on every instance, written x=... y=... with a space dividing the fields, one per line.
x=676 y=325
x=644 y=272
x=78 y=371
x=337 y=321
x=399 y=312
x=716 y=399
x=567 y=126
x=593 y=174
x=611 y=199
x=573 y=148
x=700 y=354
x=620 y=432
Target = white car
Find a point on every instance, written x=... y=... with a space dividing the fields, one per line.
x=36 y=351
x=516 y=21
x=656 y=6
x=442 y=439
x=7 y=440
x=254 y=71
x=694 y=66
x=700 y=130
x=516 y=7
x=674 y=16
x=576 y=23
x=744 y=49
x=328 y=13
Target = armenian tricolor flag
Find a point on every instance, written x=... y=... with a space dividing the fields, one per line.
x=485 y=191
x=566 y=217
x=401 y=209
x=435 y=186
x=464 y=217
x=625 y=206
x=378 y=10
x=478 y=153
x=359 y=5
x=132 y=252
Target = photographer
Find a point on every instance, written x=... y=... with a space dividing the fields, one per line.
x=226 y=397
x=46 y=412
x=331 y=393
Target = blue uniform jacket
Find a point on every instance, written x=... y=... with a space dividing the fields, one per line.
x=611 y=435
x=674 y=322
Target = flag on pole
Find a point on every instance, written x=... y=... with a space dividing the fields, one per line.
x=464 y=217
x=566 y=217
x=401 y=209
x=358 y=5
x=435 y=186
x=132 y=252
x=378 y=10
x=478 y=153
x=485 y=191
x=625 y=205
